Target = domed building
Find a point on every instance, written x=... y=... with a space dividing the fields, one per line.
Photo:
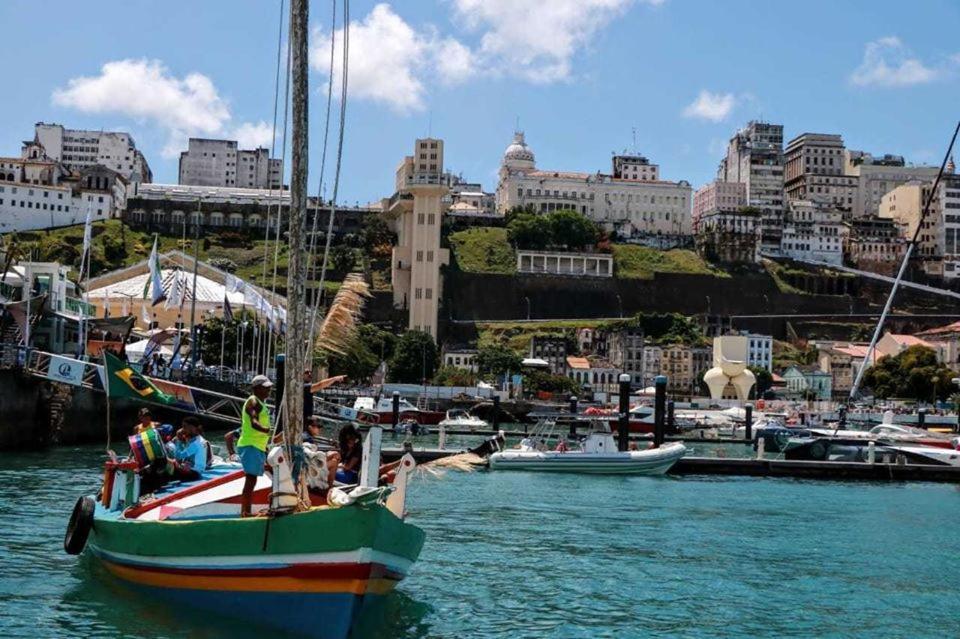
x=518 y=155
x=631 y=200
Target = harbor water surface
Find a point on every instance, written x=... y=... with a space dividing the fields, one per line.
x=527 y=555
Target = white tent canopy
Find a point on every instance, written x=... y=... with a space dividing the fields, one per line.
x=136 y=349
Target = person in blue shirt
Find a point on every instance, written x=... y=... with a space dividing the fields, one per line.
x=189 y=452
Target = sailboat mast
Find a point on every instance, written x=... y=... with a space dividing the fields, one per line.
x=295 y=343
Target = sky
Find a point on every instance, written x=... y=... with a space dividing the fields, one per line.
x=671 y=79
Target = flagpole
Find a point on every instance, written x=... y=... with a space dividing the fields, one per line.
x=223 y=343
x=106 y=390
x=193 y=295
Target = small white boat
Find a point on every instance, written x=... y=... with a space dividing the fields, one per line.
x=459 y=419
x=596 y=455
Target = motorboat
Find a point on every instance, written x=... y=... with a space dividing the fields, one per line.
x=460 y=419
x=383 y=409
x=596 y=454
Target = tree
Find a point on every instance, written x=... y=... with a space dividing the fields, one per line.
x=358 y=363
x=380 y=342
x=764 y=380
x=342 y=258
x=538 y=380
x=571 y=230
x=454 y=376
x=497 y=360
x=414 y=358
x=913 y=373
x=375 y=234
x=224 y=264
x=528 y=231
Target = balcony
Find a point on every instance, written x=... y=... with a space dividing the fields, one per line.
x=78 y=306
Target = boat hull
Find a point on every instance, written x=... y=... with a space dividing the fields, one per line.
x=650 y=462
x=312 y=572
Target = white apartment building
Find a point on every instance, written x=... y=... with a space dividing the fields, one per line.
x=208 y=162
x=813 y=231
x=38 y=193
x=815 y=169
x=755 y=158
x=877 y=176
x=79 y=148
x=416 y=209
x=636 y=204
x=759 y=351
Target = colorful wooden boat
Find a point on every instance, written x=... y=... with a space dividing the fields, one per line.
x=312 y=572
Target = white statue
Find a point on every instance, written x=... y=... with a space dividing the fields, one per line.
x=730 y=367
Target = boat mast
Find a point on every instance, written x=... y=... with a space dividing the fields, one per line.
x=295 y=342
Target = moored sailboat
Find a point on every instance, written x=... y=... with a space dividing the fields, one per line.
x=318 y=556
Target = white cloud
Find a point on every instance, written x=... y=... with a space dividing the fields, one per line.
x=250 y=135
x=714 y=107
x=536 y=40
x=888 y=63
x=390 y=60
x=146 y=91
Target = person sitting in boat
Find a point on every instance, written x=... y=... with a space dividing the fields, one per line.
x=190 y=453
x=254 y=437
x=561 y=446
x=349 y=457
x=144 y=421
x=313 y=433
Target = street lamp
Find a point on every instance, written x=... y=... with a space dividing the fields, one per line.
x=528 y=306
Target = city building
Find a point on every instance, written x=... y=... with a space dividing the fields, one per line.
x=37 y=192
x=168 y=207
x=80 y=149
x=459 y=357
x=725 y=229
x=874 y=244
x=808 y=382
x=559 y=263
x=637 y=204
x=625 y=349
x=947 y=340
x=938 y=242
x=877 y=176
x=842 y=361
x=208 y=162
x=416 y=209
x=892 y=344
x=814 y=169
x=596 y=373
x=551 y=349
x=814 y=232
x=755 y=158
x=759 y=350
x=683 y=365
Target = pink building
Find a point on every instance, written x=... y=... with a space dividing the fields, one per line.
x=718 y=197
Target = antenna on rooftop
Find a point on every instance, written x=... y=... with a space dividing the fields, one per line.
x=516 y=128
x=430 y=124
x=634 y=129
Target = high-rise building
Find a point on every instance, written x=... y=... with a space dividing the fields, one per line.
x=877 y=176
x=938 y=241
x=814 y=169
x=813 y=231
x=80 y=148
x=632 y=201
x=209 y=162
x=755 y=158
x=417 y=207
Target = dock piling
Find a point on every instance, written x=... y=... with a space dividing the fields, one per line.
x=748 y=421
x=871 y=452
x=659 y=408
x=670 y=417
x=761 y=447
x=921 y=418
x=495 y=420
x=395 y=417
x=573 y=404
x=623 y=424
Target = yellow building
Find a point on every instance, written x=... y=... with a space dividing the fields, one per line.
x=416 y=209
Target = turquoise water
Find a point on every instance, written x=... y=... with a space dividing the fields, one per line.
x=527 y=555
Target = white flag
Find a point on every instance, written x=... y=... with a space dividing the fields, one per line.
x=145 y=315
x=154 y=286
x=176 y=292
x=233 y=284
x=87 y=230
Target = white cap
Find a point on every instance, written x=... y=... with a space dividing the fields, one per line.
x=261 y=380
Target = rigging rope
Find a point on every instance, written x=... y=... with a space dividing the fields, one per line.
x=271 y=337
x=273 y=147
x=336 y=177
x=323 y=164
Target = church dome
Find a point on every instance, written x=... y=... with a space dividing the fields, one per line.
x=518 y=154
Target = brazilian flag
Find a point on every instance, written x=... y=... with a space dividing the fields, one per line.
x=126 y=383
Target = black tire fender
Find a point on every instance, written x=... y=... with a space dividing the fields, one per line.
x=79 y=526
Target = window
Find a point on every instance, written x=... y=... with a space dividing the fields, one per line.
x=429 y=256
x=420 y=218
x=418 y=294
x=429 y=294
x=431 y=219
x=419 y=256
